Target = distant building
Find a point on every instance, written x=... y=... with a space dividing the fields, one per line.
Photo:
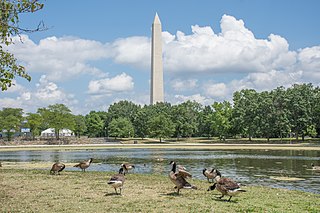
x=51 y=133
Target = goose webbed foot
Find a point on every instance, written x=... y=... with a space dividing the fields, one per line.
x=221 y=196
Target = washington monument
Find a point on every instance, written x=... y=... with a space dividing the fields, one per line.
x=156 y=92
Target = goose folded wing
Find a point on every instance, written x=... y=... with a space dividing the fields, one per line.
x=184 y=173
x=117 y=178
x=229 y=184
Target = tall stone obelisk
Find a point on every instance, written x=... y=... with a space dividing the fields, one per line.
x=156 y=94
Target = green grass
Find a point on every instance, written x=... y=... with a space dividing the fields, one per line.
x=34 y=190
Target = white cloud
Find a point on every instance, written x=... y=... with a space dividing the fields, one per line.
x=196 y=97
x=59 y=58
x=45 y=93
x=135 y=51
x=234 y=49
x=119 y=83
x=184 y=85
x=216 y=90
x=309 y=62
x=49 y=92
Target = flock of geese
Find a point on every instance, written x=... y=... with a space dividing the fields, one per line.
x=178 y=175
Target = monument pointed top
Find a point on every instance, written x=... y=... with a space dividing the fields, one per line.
x=156 y=19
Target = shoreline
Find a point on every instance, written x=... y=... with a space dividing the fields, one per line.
x=217 y=146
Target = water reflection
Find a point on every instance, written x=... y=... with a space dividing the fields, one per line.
x=253 y=167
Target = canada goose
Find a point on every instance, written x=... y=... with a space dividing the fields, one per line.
x=56 y=168
x=179 y=178
x=317 y=168
x=127 y=167
x=84 y=164
x=117 y=180
x=182 y=170
x=225 y=186
x=208 y=173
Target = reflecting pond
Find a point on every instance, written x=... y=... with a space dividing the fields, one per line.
x=250 y=167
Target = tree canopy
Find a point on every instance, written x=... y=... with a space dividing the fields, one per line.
x=278 y=113
x=10 y=11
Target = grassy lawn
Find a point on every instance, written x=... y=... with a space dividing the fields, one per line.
x=34 y=190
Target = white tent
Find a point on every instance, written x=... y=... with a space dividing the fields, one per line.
x=50 y=132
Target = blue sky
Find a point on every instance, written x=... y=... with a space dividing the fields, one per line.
x=95 y=53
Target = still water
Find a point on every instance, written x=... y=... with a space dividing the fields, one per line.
x=249 y=167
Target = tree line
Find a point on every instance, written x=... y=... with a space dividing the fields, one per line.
x=267 y=114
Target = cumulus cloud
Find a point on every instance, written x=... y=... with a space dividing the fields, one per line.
x=177 y=99
x=309 y=62
x=119 y=83
x=135 y=51
x=258 y=81
x=45 y=93
x=184 y=85
x=216 y=90
x=59 y=58
x=235 y=49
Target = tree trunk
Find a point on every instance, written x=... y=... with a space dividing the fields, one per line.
x=57 y=134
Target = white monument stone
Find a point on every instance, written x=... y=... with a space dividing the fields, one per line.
x=156 y=94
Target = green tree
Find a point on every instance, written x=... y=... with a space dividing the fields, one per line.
x=185 y=117
x=160 y=126
x=141 y=122
x=265 y=115
x=34 y=121
x=10 y=121
x=104 y=116
x=300 y=107
x=121 y=127
x=10 y=12
x=57 y=116
x=94 y=124
x=205 y=121
x=123 y=109
x=244 y=118
x=281 y=124
x=80 y=125
x=222 y=113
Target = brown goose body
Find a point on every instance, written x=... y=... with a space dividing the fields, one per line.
x=178 y=177
x=57 y=168
x=117 y=180
x=208 y=173
x=84 y=164
x=226 y=186
x=127 y=167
